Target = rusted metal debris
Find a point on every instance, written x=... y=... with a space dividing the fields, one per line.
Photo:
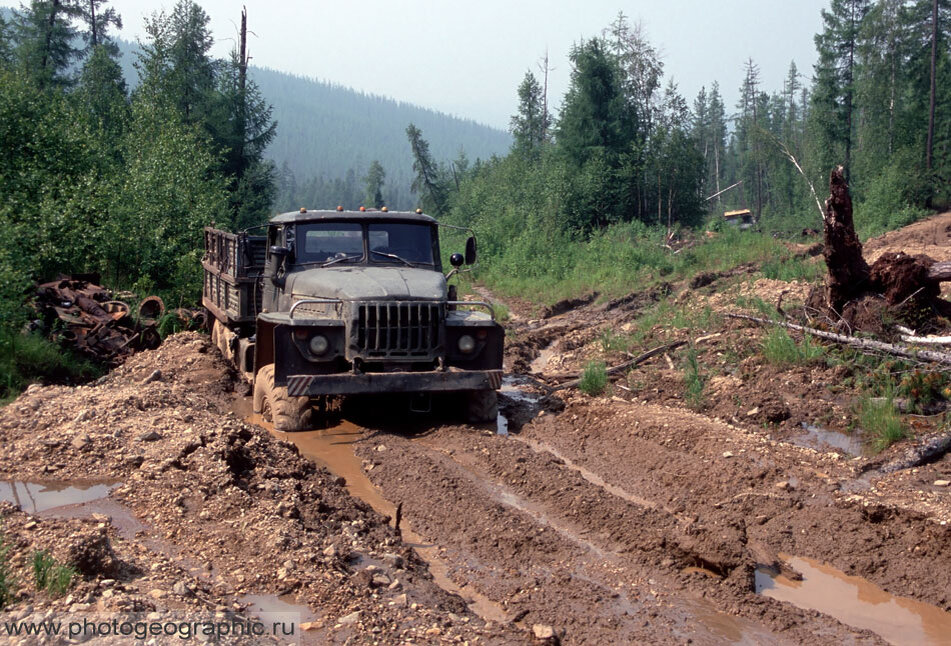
x=76 y=311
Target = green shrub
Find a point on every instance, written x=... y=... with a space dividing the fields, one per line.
x=889 y=196
x=594 y=379
x=26 y=358
x=611 y=341
x=922 y=388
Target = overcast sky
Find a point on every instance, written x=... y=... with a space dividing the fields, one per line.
x=467 y=58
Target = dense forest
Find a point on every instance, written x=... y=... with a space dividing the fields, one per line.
x=100 y=174
x=627 y=151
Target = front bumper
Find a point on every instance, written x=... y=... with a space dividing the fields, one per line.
x=393 y=382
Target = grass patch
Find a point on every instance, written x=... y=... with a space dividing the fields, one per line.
x=780 y=349
x=27 y=358
x=594 y=379
x=611 y=341
x=60 y=579
x=693 y=381
x=6 y=574
x=880 y=419
x=50 y=575
x=545 y=268
x=42 y=563
x=792 y=269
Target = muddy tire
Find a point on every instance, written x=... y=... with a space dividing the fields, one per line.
x=272 y=402
x=482 y=406
x=220 y=336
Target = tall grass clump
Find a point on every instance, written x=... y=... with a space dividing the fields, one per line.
x=50 y=575
x=879 y=418
x=594 y=379
x=6 y=574
x=780 y=349
x=693 y=381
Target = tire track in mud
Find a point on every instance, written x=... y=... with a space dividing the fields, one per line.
x=555 y=548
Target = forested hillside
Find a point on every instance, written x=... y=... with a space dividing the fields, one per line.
x=328 y=136
x=327 y=133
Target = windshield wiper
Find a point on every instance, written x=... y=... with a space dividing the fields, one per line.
x=393 y=256
x=334 y=261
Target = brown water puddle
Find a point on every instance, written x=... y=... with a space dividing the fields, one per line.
x=857 y=602
x=540 y=363
x=34 y=497
x=332 y=449
x=271 y=607
x=821 y=439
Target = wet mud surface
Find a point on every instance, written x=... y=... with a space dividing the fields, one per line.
x=755 y=518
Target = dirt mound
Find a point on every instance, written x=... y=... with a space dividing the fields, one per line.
x=931 y=237
x=209 y=509
x=567 y=305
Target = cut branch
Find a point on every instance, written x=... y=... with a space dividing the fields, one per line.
x=867 y=345
x=633 y=362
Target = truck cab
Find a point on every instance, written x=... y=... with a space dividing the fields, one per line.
x=351 y=302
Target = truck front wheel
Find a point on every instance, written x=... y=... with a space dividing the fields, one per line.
x=287 y=413
x=482 y=406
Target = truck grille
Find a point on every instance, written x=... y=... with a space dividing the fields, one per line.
x=400 y=329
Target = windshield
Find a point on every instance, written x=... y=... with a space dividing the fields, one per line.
x=401 y=242
x=325 y=241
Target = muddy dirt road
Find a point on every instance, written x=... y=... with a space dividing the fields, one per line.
x=622 y=518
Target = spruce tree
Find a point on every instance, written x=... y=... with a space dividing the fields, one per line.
x=373 y=185
x=97 y=20
x=834 y=94
x=529 y=125
x=428 y=183
x=45 y=37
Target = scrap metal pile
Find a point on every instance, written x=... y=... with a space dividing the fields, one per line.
x=103 y=326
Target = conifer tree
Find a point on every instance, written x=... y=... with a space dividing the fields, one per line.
x=45 y=37
x=373 y=185
x=529 y=125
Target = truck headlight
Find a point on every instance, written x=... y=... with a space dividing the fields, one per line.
x=466 y=343
x=318 y=344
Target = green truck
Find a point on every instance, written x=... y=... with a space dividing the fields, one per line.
x=333 y=303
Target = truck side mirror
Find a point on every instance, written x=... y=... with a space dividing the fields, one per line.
x=456 y=260
x=275 y=258
x=470 y=250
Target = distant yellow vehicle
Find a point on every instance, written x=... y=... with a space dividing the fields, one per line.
x=742 y=218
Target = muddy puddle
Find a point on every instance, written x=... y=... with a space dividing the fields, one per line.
x=332 y=448
x=271 y=607
x=857 y=602
x=540 y=363
x=34 y=497
x=821 y=439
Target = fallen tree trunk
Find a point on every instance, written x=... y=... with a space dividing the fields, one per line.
x=940 y=272
x=628 y=364
x=869 y=345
